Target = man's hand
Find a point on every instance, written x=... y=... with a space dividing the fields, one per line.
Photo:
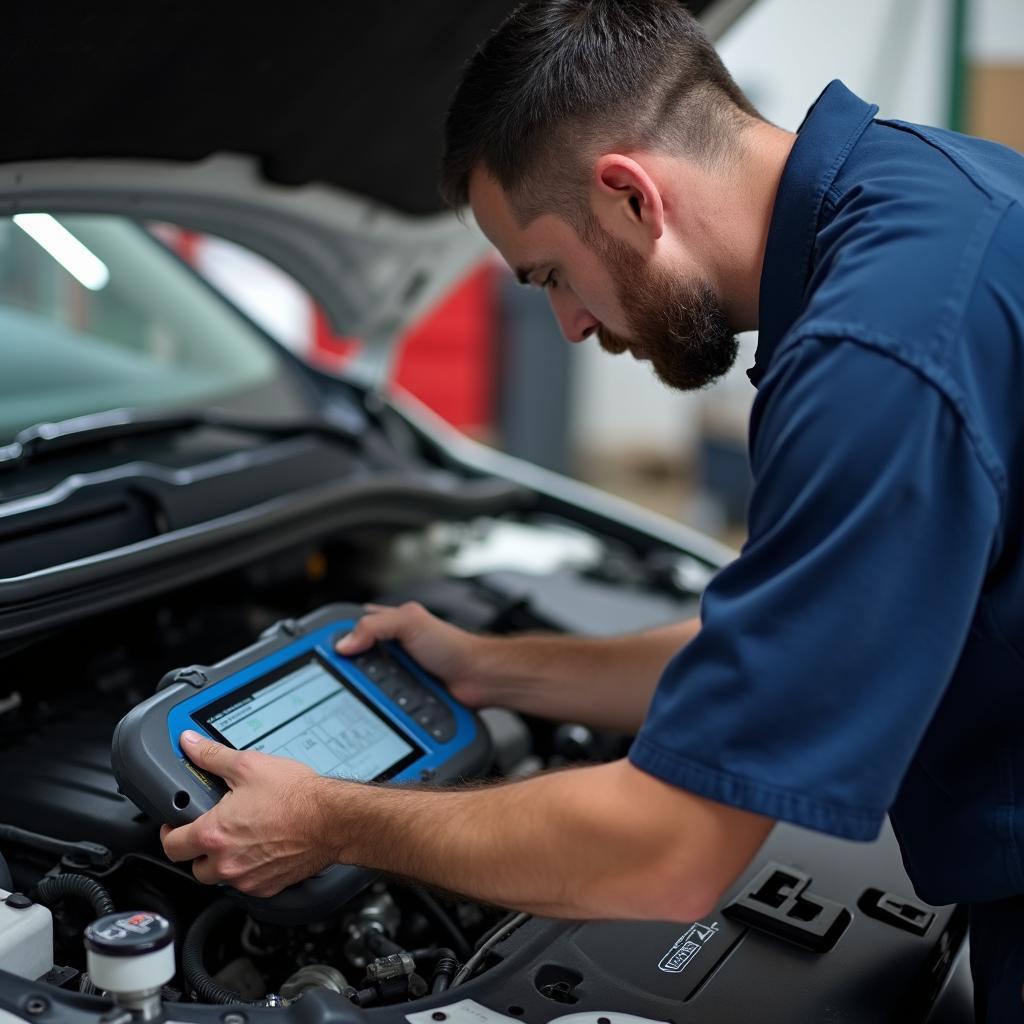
x=450 y=653
x=266 y=833
x=605 y=682
x=602 y=841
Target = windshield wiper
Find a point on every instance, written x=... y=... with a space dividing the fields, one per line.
x=45 y=439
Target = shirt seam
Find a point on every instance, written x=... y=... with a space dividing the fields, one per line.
x=972 y=257
x=860 y=817
x=920 y=132
x=973 y=254
x=930 y=372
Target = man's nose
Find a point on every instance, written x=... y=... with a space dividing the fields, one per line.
x=575 y=322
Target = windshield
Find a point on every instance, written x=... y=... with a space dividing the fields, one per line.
x=96 y=314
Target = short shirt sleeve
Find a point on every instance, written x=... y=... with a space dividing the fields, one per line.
x=826 y=646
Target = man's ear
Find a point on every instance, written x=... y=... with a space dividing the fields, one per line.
x=627 y=202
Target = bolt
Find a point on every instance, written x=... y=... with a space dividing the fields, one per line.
x=36 y=1005
x=438 y=1015
x=233 y=1018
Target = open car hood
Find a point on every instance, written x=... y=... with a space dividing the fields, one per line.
x=310 y=134
x=373 y=271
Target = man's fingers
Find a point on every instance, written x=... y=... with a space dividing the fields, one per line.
x=181 y=843
x=381 y=623
x=355 y=642
x=205 y=871
x=215 y=757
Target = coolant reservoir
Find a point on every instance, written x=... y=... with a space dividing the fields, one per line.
x=26 y=936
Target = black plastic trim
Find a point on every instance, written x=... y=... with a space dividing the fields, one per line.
x=48 y=598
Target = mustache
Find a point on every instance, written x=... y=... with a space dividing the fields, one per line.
x=612 y=343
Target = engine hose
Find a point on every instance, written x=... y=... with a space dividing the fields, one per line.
x=444 y=971
x=458 y=939
x=193 y=968
x=56 y=888
x=379 y=944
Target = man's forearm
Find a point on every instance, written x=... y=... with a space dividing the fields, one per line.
x=603 y=841
x=606 y=682
x=607 y=841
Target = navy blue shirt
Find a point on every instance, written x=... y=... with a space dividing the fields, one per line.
x=865 y=653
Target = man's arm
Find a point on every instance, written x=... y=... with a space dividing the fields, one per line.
x=605 y=841
x=605 y=682
x=827 y=647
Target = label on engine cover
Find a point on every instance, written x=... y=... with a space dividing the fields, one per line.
x=610 y=1015
x=466 y=1011
x=470 y=1012
x=687 y=946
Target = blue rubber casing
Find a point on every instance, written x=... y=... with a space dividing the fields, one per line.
x=154 y=773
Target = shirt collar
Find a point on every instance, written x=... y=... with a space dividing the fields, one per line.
x=834 y=123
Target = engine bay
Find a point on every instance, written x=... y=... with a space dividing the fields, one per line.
x=812 y=914
x=73 y=842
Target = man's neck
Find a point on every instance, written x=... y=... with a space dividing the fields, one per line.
x=748 y=193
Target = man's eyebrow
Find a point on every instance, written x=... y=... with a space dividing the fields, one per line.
x=523 y=274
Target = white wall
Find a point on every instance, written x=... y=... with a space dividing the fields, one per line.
x=891 y=52
x=618 y=406
x=996 y=31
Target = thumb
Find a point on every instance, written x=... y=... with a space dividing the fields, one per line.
x=355 y=642
x=207 y=754
x=378 y=624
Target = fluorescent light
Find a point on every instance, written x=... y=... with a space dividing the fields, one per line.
x=83 y=265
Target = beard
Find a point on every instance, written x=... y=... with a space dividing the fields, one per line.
x=678 y=326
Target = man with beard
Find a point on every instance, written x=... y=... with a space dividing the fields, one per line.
x=862 y=655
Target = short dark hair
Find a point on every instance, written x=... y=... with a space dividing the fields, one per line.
x=561 y=77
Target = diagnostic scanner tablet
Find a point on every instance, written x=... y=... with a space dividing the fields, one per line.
x=374 y=717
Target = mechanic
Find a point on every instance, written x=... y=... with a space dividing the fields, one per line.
x=864 y=655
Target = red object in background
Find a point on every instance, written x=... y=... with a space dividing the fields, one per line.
x=188 y=244
x=447 y=360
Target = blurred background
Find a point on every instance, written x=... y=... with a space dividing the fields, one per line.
x=491 y=362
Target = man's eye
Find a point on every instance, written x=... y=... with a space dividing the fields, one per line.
x=550 y=281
